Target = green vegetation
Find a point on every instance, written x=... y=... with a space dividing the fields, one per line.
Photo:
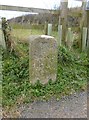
x=17 y=89
x=23 y=34
x=0 y=76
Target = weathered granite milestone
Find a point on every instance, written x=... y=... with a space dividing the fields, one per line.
x=42 y=58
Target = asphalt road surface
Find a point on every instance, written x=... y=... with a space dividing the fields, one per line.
x=74 y=106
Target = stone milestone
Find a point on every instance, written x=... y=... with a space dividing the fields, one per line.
x=42 y=58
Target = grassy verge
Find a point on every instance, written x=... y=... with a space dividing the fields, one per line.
x=1 y=76
x=16 y=87
x=71 y=77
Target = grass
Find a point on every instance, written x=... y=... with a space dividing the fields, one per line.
x=16 y=87
x=23 y=34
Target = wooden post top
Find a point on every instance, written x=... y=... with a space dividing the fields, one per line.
x=87 y=5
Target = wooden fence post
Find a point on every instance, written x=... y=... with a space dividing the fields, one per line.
x=84 y=38
x=87 y=10
x=69 y=38
x=59 y=35
x=49 y=29
x=63 y=17
x=88 y=35
x=46 y=28
x=83 y=23
x=2 y=40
